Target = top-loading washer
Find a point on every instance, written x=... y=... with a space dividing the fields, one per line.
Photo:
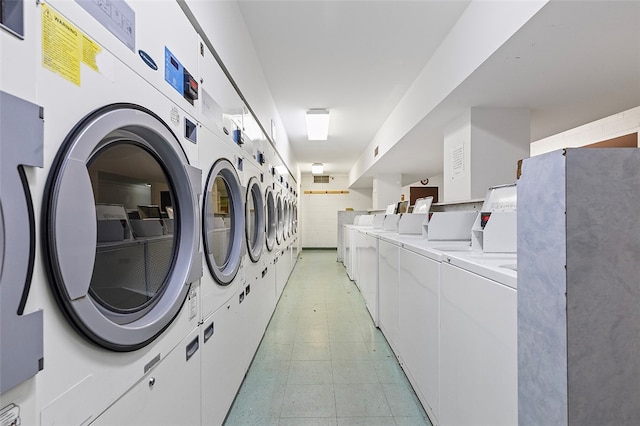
x=478 y=320
x=116 y=203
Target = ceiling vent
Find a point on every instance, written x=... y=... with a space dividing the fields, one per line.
x=321 y=179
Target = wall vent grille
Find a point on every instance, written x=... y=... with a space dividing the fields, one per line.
x=321 y=179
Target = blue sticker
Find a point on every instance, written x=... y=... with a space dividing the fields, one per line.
x=148 y=60
x=173 y=71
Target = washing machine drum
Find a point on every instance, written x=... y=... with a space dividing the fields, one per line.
x=120 y=226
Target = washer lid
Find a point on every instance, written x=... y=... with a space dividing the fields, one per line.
x=223 y=222
x=120 y=226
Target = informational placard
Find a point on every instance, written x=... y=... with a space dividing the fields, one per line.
x=64 y=46
x=60 y=45
x=457 y=161
x=116 y=16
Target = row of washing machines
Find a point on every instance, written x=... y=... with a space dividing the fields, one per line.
x=442 y=288
x=147 y=225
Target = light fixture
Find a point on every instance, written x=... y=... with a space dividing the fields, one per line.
x=318 y=124
x=317 y=168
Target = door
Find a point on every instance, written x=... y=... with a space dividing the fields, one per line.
x=223 y=222
x=416 y=192
x=117 y=261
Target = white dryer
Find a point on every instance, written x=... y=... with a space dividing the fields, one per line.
x=254 y=216
x=281 y=264
x=279 y=217
x=259 y=293
x=271 y=219
x=223 y=222
x=116 y=203
x=223 y=204
x=270 y=255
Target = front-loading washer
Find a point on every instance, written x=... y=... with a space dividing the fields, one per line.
x=116 y=208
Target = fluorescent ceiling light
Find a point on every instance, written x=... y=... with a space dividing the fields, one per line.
x=317 y=168
x=318 y=124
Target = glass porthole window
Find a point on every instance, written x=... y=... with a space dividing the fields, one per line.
x=295 y=218
x=223 y=222
x=271 y=218
x=280 y=222
x=290 y=217
x=121 y=226
x=254 y=207
x=135 y=233
x=285 y=219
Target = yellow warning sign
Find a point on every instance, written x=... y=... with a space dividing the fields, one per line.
x=90 y=50
x=64 y=46
x=60 y=45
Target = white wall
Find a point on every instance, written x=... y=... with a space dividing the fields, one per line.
x=223 y=24
x=319 y=212
x=457 y=142
x=481 y=30
x=610 y=127
x=481 y=149
x=387 y=190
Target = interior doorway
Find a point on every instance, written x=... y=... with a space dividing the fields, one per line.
x=416 y=192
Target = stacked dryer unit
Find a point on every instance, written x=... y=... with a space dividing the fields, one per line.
x=284 y=233
x=259 y=294
x=114 y=259
x=224 y=349
x=271 y=225
x=280 y=262
x=126 y=181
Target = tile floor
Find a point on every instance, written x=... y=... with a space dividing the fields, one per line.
x=322 y=361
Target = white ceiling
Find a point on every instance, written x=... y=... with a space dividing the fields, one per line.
x=356 y=58
x=574 y=62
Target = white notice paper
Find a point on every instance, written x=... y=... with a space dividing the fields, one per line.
x=457 y=161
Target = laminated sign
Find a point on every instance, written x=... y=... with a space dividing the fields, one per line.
x=64 y=46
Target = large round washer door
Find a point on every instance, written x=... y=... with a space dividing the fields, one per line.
x=285 y=231
x=271 y=219
x=289 y=218
x=120 y=227
x=223 y=222
x=280 y=223
x=254 y=209
x=295 y=218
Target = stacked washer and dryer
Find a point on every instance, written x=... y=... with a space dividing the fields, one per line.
x=126 y=267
